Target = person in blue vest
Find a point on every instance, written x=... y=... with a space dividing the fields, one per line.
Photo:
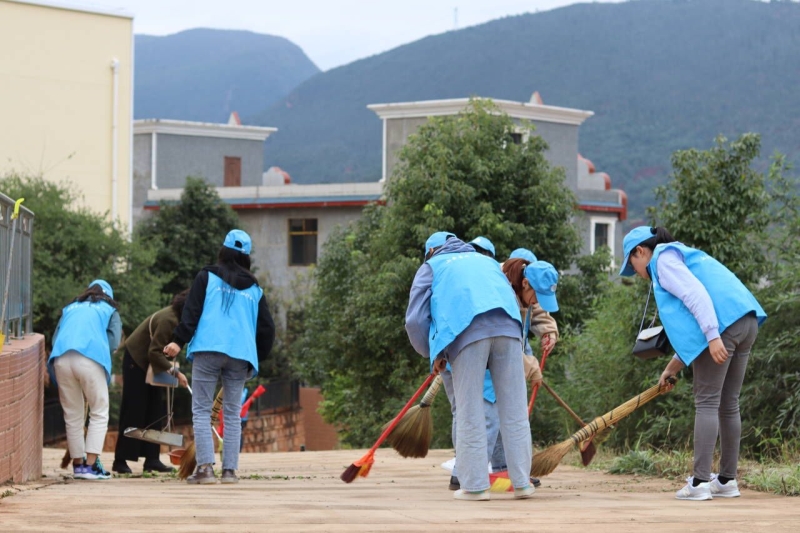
x=462 y=311
x=87 y=333
x=229 y=329
x=712 y=321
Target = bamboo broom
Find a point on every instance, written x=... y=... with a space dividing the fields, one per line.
x=362 y=466
x=588 y=449
x=412 y=436
x=189 y=457
x=548 y=460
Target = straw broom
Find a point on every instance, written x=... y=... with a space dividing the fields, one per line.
x=588 y=449
x=189 y=458
x=412 y=436
x=362 y=466
x=548 y=460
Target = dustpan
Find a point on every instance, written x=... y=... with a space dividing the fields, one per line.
x=156 y=436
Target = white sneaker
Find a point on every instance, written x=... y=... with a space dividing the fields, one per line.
x=524 y=493
x=481 y=496
x=449 y=465
x=698 y=493
x=728 y=490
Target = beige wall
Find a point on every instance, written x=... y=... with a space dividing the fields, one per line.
x=56 y=94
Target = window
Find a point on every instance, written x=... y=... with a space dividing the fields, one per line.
x=516 y=138
x=302 y=241
x=600 y=235
x=233 y=172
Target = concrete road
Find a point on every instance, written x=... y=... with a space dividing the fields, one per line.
x=302 y=491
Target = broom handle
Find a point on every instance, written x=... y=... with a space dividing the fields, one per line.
x=602 y=422
x=427 y=400
x=563 y=404
x=246 y=405
x=536 y=385
x=396 y=419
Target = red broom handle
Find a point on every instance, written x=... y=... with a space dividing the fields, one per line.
x=246 y=405
x=396 y=420
x=536 y=386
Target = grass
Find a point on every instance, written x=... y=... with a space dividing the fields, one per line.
x=782 y=478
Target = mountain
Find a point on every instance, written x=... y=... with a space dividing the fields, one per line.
x=205 y=74
x=659 y=75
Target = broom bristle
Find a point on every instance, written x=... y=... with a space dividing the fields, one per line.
x=547 y=461
x=588 y=451
x=65 y=460
x=350 y=473
x=359 y=468
x=188 y=462
x=412 y=436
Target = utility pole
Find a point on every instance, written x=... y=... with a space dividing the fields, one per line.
x=455 y=18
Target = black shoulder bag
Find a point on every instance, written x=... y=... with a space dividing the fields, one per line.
x=653 y=341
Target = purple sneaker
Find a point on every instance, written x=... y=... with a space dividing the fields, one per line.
x=96 y=471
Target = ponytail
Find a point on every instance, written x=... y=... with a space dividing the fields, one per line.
x=514 y=269
x=660 y=236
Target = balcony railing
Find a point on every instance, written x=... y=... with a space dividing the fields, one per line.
x=19 y=308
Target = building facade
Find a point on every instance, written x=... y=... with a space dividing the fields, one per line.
x=166 y=152
x=601 y=209
x=66 y=99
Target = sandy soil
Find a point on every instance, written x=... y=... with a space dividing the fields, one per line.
x=302 y=491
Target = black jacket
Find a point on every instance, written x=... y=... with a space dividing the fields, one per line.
x=265 y=326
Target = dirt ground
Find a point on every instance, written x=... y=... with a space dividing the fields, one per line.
x=301 y=491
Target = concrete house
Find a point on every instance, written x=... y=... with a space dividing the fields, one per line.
x=167 y=151
x=288 y=223
x=601 y=207
x=66 y=99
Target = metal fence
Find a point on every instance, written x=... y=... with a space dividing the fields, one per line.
x=19 y=309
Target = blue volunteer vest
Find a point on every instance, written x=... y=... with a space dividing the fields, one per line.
x=730 y=297
x=230 y=331
x=83 y=328
x=464 y=286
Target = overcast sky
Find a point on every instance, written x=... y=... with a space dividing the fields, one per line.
x=331 y=32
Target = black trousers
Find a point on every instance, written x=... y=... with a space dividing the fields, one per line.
x=142 y=404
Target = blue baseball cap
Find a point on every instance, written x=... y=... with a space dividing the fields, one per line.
x=103 y=284
x=237 y=239
x=634 y=238
x=437 y=239
x=483 y=243
x=523 y=253
x=543 y=278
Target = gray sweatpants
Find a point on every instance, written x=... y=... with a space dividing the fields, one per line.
x=716 y=400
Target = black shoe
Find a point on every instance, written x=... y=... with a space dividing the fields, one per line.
x=535 y=482
x=121 y=467
x=454 y=484
x=157 y=466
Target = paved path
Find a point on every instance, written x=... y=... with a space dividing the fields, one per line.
x=301 y=491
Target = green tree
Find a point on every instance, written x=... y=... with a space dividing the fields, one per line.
x=187 y=234
x=464 y=174
x=72 y=246
x=716 y=201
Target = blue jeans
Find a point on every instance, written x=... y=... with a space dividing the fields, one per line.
x=493 y=439
x=503 y=356
x=207 y=368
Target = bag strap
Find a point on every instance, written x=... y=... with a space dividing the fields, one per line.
x=644 y=315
